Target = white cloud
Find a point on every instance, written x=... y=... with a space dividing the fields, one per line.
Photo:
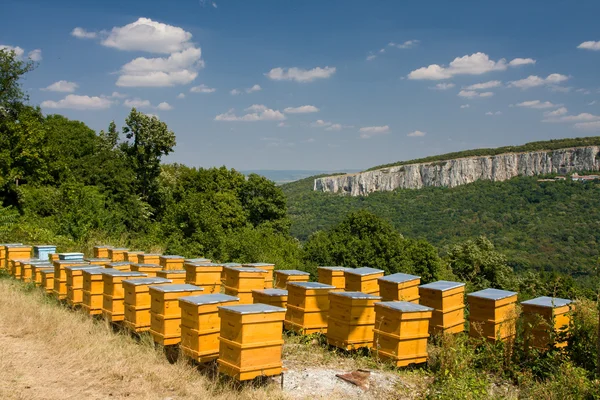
x=471 y=94
x=157 y=79
x=83 y=34
x=152 y=115
x=18 y=51
x=484 y=85
x=583 y=91
x=62 y=86
x=234 y=92
x=164 y=106
x=299 y=74
x=416 y=134
x=35 y=55
x=257 y=112
x=181 y=96
x=76 y=102
x=214 y=4
x=465 y=106
x=475 y=64
x=534 y=81
x=590 y=45
x=583 y=117
x=282 y=125
x=301 y=110
x=537 y=104
x=556 y=113
x=202 y=89
x=118 y=95
x=137 y=103
x=443 y=86
x=591 y=103
x=591 y=126
x=371 y=57
x=255 y=88
x=521 y=61
x=320 y=124
x=367 y=132
x=334 y=127
x=493 y=113
x=150 y=36
x=406 y=45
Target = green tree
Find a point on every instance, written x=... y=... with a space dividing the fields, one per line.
x=12 y=69
x=264 y=202
x=110 y=138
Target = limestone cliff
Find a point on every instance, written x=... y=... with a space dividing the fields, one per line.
x=460 y=171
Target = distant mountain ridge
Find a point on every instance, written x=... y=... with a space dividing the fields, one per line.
x=292 y=175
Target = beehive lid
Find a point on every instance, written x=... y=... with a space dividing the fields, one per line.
x=116 y=272
x=399 y=278
x=549 y=302
x=272 y=292
x=364 y=271
x=311 y=285
x=172 y=257
x=103 y=247
x=98 y=271
x=83 y=267
x=259 y=265
x=106 y=260
x=492 y=294
x=21 y=260
x=44 y=246
x=76 y=262
x=45 y=268
x=18 y=245
x=252 y=309
x=334 y=268
x=291 y=272
x=208 y=299
x=232 y=265
x=11 y=244
x=174 y=271
x=118 y=248
x=248 y=269
x=442 y=285
x=148 y=266
x=152 y=255
x=178 y=287
x=147 y=281
x=357 y=295
x=404 y=306
x=207 y=264
x=62 y=256
x=39 y=262
x=197 y=260
x=119 y=264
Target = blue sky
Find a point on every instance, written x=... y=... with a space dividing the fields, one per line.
x=321 y=85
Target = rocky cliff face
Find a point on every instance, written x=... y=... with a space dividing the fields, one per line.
x=461 y=171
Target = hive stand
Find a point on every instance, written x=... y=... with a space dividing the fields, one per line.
x=132 y=256
x=148 y=259
x=98 y=261
x=113 y=296
x=351 y=319
x=307 y=307
x=205 y=275
x=165 y=314
x=251 y=341
x=27 y=268
x=201 y=325
x=47 y=279
x=267 y=267
x=333 y=276
x=363 y=280
x=101 y=251
x=400 y=287
x=272 y=297
x=60 y=276
x=75 y=283
x=70 y=256
x=117 y=254
x=124 y=266
x=43 y=251
x=149 y=269
x=36 y=274
x=176 y=275
x=401 y=332
x=171 y=263
x=239 y=282
x=544 y=318
x=3 y=254
x=93 y=290
x=16 y=252
x=492 y=314
x=448 y=302
x=285 y=276
x=137 y=302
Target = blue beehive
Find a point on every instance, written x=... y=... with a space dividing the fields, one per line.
x=70 y=256
x=43 y=251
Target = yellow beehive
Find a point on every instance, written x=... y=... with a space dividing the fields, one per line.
x=363 y=280
x=93 y=290
x=399 y=287
x=101 y=251
x=75 y=283
x=401 y=332
x=239 y=282
x=333 y=276
x=448 y=302
x=60 y=276
x=492 y=314
x=171 y=263
x=53 y=257
x=3 y=253
x=307 y=307
x=132 y=256
x=149 y=269
x=18 y=252
x=285 y=276
x=204 y=275
x=177 y=276
x=148 y=259
x=351 y=319
x=117 y=254
x=113 y=297
x=228 y=265
x=200 y=325
x=165 y=314
x=98 y=261
x=119 y=266
x=16 y=268
x=544 y=319
x=272 y=297
x=137 y=302
x=36 y=275
x=251 y=341
x=267 y=267
x=47 y=279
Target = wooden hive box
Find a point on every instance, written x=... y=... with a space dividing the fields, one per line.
x=43 y=251
x=3 y=254
x=16 y=268
x=137 y=302
x=239 y=282
x=102 y=262
x=204 y=275
x=492 y=314
x=351 y=319
x=148 y=259
x=93 y=290
x=75 y=283
x=228 y=265
x=363 y=280
x=171 y=263
x=148 y=269
x=272 y=297
x=307 y=307
x=399 y=287
x=267 y=267
x=251 y=341
x=284 y=276
x=132 y=256
x=117 y=254
x=165 y=314
x=201 y=324
x=16 y=252
x=124 y=266
x=60 y=276
x=47 y=279
x=333 y=276
x=70 y=256
x=113 y=297
x=36 y=276
x=401 y=332
x=177 y=276
x=101 y=251
x=53 y=257
x=448 y=302
x=544 y=318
